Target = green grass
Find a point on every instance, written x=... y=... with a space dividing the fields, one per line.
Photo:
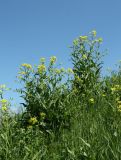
x=72 y=114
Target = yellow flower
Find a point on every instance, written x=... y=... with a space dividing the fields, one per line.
x=84 y=56
x=94 y=33
x=62 y=69
x=22 y=73
x=53 y=59
x=70 y=71
x=100 y=40
x=119 y=108
x=33 y=120
x=4 y=108
x=119 y=102
x=42 y=60
x=28 y=66
x=104 y=95
x=29 y=126
x=3 y=101
x=113 y=89
x=41 y=68
x=43 y=115
x=91 y=100
x=2 y=86
x=83 y=38
x=57 y=71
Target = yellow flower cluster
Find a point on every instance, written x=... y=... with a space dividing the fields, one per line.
x=83 y=38
x=41 y=68
x=4 y=103
x=100 y=40
x=57 y=71
x=94 y=33
x=116 y=88
x=84 y=56
x=53 y=59
x=70 y=70
x=2 y=86
x=91 y=100
x=119 y=108
x=4 y=108
x=42 y=60
x=22 y=73
x=28 y=66
x=42 y=115
x=33 y=120
x=62 y=69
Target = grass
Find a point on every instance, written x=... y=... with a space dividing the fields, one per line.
x=73 y=119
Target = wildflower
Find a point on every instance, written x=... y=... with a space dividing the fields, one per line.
x=4 y=108
x=29 y=126
x=119 y=102
x=91 y=100
x=84 y=56
x=2 y=86
x=75 y=42
x=42 y=60
x=83 y=38
x=3 y=101
x=57 y=71
x=94 y=33
x=117 y=87
x=41 y=68
x=62 y=69
x=104 y=95
x=22 y=73
x=42 y=115
x=113 y=89
x=33 y=120
x=70 y=71
x=53 y=59
x=119 y=108
x=100 y=40
x=28 y=66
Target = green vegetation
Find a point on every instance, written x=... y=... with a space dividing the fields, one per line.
x=69 y=114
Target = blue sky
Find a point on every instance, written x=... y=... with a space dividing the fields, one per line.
x=30 y=29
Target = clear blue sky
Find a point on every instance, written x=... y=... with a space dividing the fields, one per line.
x=30 y=29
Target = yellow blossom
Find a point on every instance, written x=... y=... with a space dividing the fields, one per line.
x=53 y=59
x=119 y=108
x=70 y=70
x=83 y=38
x=113 y=89
x=57 y=71
x=91 y=100
x=42 y=114
x=29 y=126
x=62 y=69
x=84 y=56
x=100 y=40
x=4 y=108
x=41 y=68
x=42 y=60
x=33 y=120
x=22 y=73
x=119 y=102
x=94 y=33
x=2 y=86
x=104 y=95
x=3 y=101
x=28 y=66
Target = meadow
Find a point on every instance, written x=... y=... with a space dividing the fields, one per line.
x=69 y=114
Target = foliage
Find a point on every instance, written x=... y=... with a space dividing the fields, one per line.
x=71 y=114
